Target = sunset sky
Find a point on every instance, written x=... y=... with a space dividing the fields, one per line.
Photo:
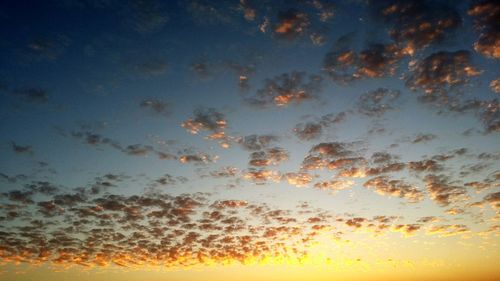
x=249 y=140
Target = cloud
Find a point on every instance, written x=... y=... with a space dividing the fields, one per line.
x=268 y=157
x=423 y=138
x=261 y=176
x=224 y=172
x=321 y=155
x=22 y=149
x=97 y=140
x=344 y=65
x=397 y=188
x=313 y=130
x=286 y=89
x=334 y=185
x=157 y=106
x=442 y=192
x=495 y=85
x=378 y=102
x=383 y=157
x=257 y=142
x=441 y=72
x=486 y=14
x=416 y=24
x=447 y=230
x=493 y=199
x=300 y=179
x=291 y=24
x=424 y=166
x=205 y=119
x=208 y=119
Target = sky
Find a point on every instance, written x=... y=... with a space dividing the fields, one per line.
x=249 y=140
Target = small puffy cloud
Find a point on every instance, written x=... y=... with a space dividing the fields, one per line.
x=406 y=229
x=397 y=188
x=334 y=185
x=383 y=157
x=21 y=149
x=268 y=157
x=486 y=14
x=208 y=119
x=300 y=179
x=416 y=24
x=205 y=119
x=196 y=158
x=224 y=172
x=495 y=85
x=447 y=230
x=424 y=166
x=313 y=130
x=322 y=154
x=442 y=192
x=256 y=142
x=261 y=176
x=291 y=24
x=377 y=102
x=423 y=138
x=493 y=199
x=344 y=65
x=285 y=89
x=441 y=72
x=157 y=106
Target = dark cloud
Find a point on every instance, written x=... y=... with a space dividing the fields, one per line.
x=285 y=89
x=98 y=140
x=268 y=157
x=486 y=110
x=442 y=192
x=383 y=157
x=313 y=130
x=423 y=138
x=321 y=155
x=291 y=24
x=157 y=106
x=377 y=102
x=441 y=72
x=424 y=166
x=397 y=188
x=22 y=149
x=256 y=142
x=224 y=172
x=416 y=24
x=205 y=119
x=486 y=15
x=344 y=65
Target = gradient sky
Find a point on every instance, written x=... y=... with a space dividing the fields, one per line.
x=249 y=140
